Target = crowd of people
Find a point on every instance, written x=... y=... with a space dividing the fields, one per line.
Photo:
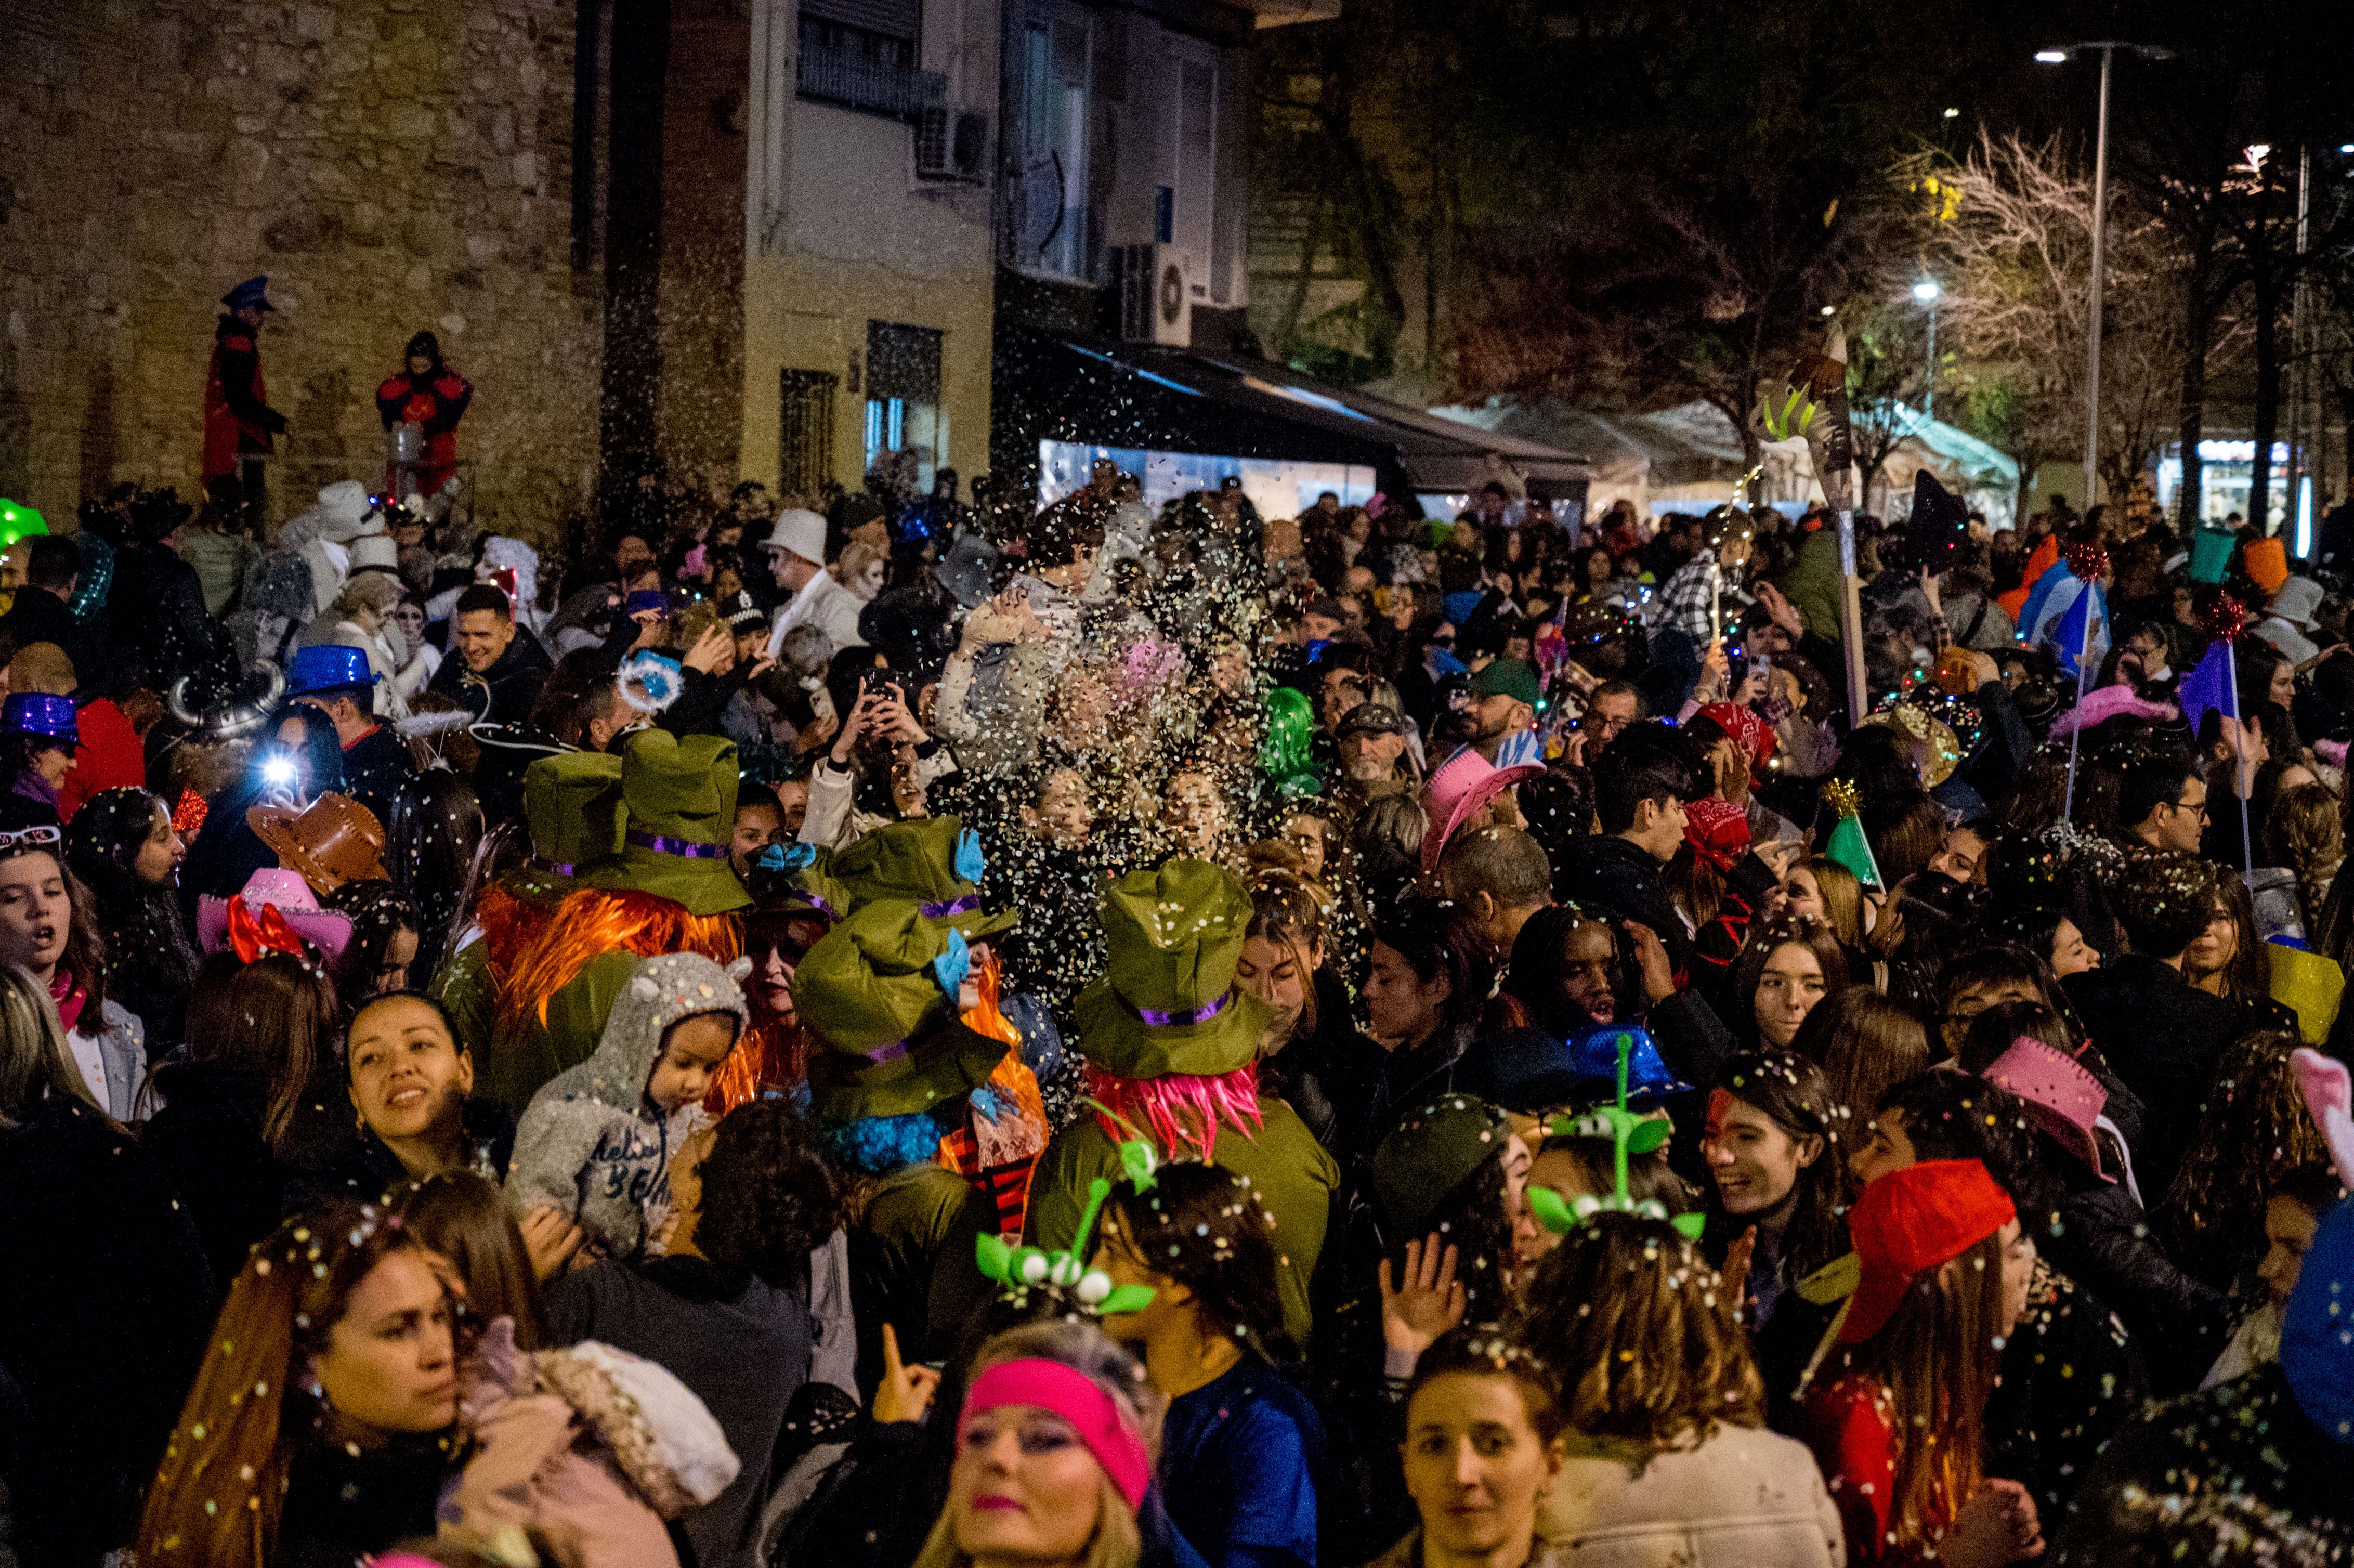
x=903 y=1032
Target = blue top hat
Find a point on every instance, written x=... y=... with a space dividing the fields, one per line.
x=30 y=713
x=248 y=292
x=327 y=667
x=1540 y=1072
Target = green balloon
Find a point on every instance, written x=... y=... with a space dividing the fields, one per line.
x=18 y=521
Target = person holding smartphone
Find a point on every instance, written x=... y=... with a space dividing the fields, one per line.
x=882 y=762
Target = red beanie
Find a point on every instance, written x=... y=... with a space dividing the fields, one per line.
x=1914 y=1219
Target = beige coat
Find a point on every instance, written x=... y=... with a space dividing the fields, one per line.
x=1744 y=1499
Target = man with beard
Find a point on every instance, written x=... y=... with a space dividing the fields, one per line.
x=1371 y=739
x=1504 y=698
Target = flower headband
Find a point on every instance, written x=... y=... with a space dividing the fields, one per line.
x=1024 y=1268
x=1629 y=1134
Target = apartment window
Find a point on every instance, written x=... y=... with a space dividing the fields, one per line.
x=862 y=54
x=1049 y=228
x=906 y=429
x=805 y=431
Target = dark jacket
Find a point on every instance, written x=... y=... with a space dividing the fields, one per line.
x=1327 y=1075
x=343 y=1504
x=2163 y=1038
x=40 y=616
x=231 y=1183
x=362 y=1168
x=2244 y=1439
x=1617 y=878
x=2105 y=1241
x=161 y=629
x=373 y=766
x=740 y=1345
x=505 y=691
x=103 y=1314
x=2072 y=1376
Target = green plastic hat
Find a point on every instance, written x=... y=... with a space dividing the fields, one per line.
x=1846 y=845
x=572 y=805
x=875 y=994
x=1433 y=1150
x=931 y=862
x=18 y=521
x=1167 y=1002
x=680 y=792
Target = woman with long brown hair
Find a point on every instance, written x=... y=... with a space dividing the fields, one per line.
x=325 y=1421
x=1897 y=1415
x=461 y=1219
x=1865 y=1044
x=2252 y=1131
x=1785 y=969
x=256 y=1102
x=1665 y=1409
x=1314 y=1057
x=1776 y=1147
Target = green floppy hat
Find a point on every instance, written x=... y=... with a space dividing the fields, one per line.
x=889 y=1040
x=923 y=862
x=1167 y=1003
x=572 y=806
x=680 y=793
x=1432 y=1152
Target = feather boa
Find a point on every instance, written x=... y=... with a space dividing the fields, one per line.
x=1178 y=1111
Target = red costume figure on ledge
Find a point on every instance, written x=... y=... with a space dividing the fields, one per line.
x=432 y=397
x=241 y=425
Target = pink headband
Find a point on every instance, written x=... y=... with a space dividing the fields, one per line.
x=1073 y=1395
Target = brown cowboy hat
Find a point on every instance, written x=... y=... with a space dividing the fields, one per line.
x=332 y=840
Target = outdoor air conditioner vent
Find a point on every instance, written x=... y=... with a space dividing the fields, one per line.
x=1157 y=285
x=951 y=143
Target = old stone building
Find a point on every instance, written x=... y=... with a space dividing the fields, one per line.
x=399 y=165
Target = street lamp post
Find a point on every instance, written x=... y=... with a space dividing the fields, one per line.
x=2108 y=48
x=1927 y=291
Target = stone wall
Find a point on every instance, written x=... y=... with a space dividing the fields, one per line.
x=392 y=166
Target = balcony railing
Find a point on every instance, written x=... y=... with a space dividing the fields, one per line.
x=856 y=79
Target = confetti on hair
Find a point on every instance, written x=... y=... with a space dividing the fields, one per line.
x=2089 y=559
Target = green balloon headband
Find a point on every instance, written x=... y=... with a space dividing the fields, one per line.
x=1629 y=1134
x=1021 y=1269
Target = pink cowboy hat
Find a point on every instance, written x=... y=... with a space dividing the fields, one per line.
x=276 y=888
x=2062 y=1097
x=1460 y=786
x=2107 y=703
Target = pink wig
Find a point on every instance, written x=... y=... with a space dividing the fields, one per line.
x=1179 y=1111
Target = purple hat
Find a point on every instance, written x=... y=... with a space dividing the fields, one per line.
x=2061 y=1096
x=32 y=713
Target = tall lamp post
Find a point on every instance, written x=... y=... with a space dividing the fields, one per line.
x=1927 y=291
x=2108 y=48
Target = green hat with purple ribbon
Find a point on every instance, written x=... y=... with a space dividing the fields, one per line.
x=1167 y=1002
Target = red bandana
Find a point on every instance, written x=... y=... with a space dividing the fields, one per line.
x=1749 y=732
x=1718 y=831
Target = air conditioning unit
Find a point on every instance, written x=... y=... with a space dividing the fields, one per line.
x=1157 y=285
x=951 y=143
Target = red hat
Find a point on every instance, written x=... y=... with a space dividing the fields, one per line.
x=1914 y=1219
x=1749 y=732
x=1718 y=830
